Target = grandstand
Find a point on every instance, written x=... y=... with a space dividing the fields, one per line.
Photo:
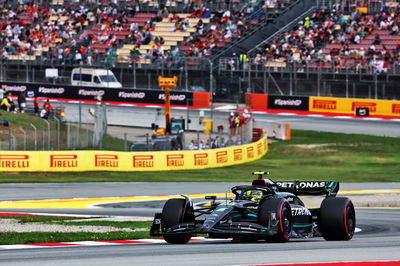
x=235 y=40
x=329 y=39
x=109 y=29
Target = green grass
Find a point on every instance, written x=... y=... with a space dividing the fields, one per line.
x=18 y=121
x=70 y=221
x=310 y=155
x=125 y=224
x=23 y=120
x=12 y=238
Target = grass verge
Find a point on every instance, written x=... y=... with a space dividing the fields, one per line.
x=309 y=155
x=11 y=238
x=24 y=219
x=20 y=124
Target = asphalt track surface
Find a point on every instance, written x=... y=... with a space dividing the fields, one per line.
x=379 y=240
x=339 y=124
x=31 y=191
x=14 y=192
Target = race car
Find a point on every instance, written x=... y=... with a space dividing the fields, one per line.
x=264 y=210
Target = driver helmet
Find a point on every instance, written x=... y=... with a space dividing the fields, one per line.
x=253 y=195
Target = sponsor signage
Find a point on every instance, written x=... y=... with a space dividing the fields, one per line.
x=74 y=161
x=288 y=102
x=396 y=108
x=14 y=161
x=359 y=107
x=250 y=152
x=362 y=112
x=13 y=88
x=143 y=161
x=364 y=105
x=106 y=160
x=324 y=104
x=305 y=184
x=90 y=93
x=222 y=157
x=201 y=159
x=175 y=160
x=146 y=96
x=64 y=161
x=238 y=154
x=299 y=211
x=259 y=148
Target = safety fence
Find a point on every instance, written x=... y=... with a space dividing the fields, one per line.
x=89 y=160
x=57 y=135
x=226 y=83
x=194 y=74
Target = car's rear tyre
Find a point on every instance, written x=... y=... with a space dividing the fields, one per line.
x=175 y=211
x=337 y=219
x=282 y=212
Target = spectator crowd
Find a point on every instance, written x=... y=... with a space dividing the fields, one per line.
x=329 y=38
x=81 y=33
x=8 y=104
x=86 y=31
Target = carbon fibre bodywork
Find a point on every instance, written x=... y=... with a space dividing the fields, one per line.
x=242 y=218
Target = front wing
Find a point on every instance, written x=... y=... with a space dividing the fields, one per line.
x=226 y=230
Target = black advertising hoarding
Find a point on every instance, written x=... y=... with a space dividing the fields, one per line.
x=89 y=93
x=299 y=103
x=146 y=96
x=362 y=111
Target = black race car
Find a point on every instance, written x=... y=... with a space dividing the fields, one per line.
x=265 y=210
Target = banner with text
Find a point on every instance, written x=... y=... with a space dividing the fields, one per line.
x=288 y=102
x=59 y=91
x=79 y=161
x=349 y=106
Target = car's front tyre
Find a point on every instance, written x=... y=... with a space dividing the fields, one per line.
x=278 y=209
x=175 y=211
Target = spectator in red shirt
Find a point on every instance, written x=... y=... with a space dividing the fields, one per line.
x=36 y=105
x=47 y=105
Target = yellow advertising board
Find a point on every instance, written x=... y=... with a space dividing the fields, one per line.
x=349 y=105
x=79 y=161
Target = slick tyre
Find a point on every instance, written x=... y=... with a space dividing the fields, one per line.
x=173 y=213
x=279 y=208
x=337 y=219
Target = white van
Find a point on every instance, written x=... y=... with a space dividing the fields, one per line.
x=93 y=77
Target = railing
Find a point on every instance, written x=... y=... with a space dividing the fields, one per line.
x=268 y=15
x=135 y=74
x=289 y=26
x=314 y=78
x=313 y=66
x=233 y=79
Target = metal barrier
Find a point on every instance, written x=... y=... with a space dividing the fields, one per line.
x=232 y=79
x=313 y=79
x=194 y=74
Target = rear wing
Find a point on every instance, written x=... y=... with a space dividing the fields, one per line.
x=327 y=188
